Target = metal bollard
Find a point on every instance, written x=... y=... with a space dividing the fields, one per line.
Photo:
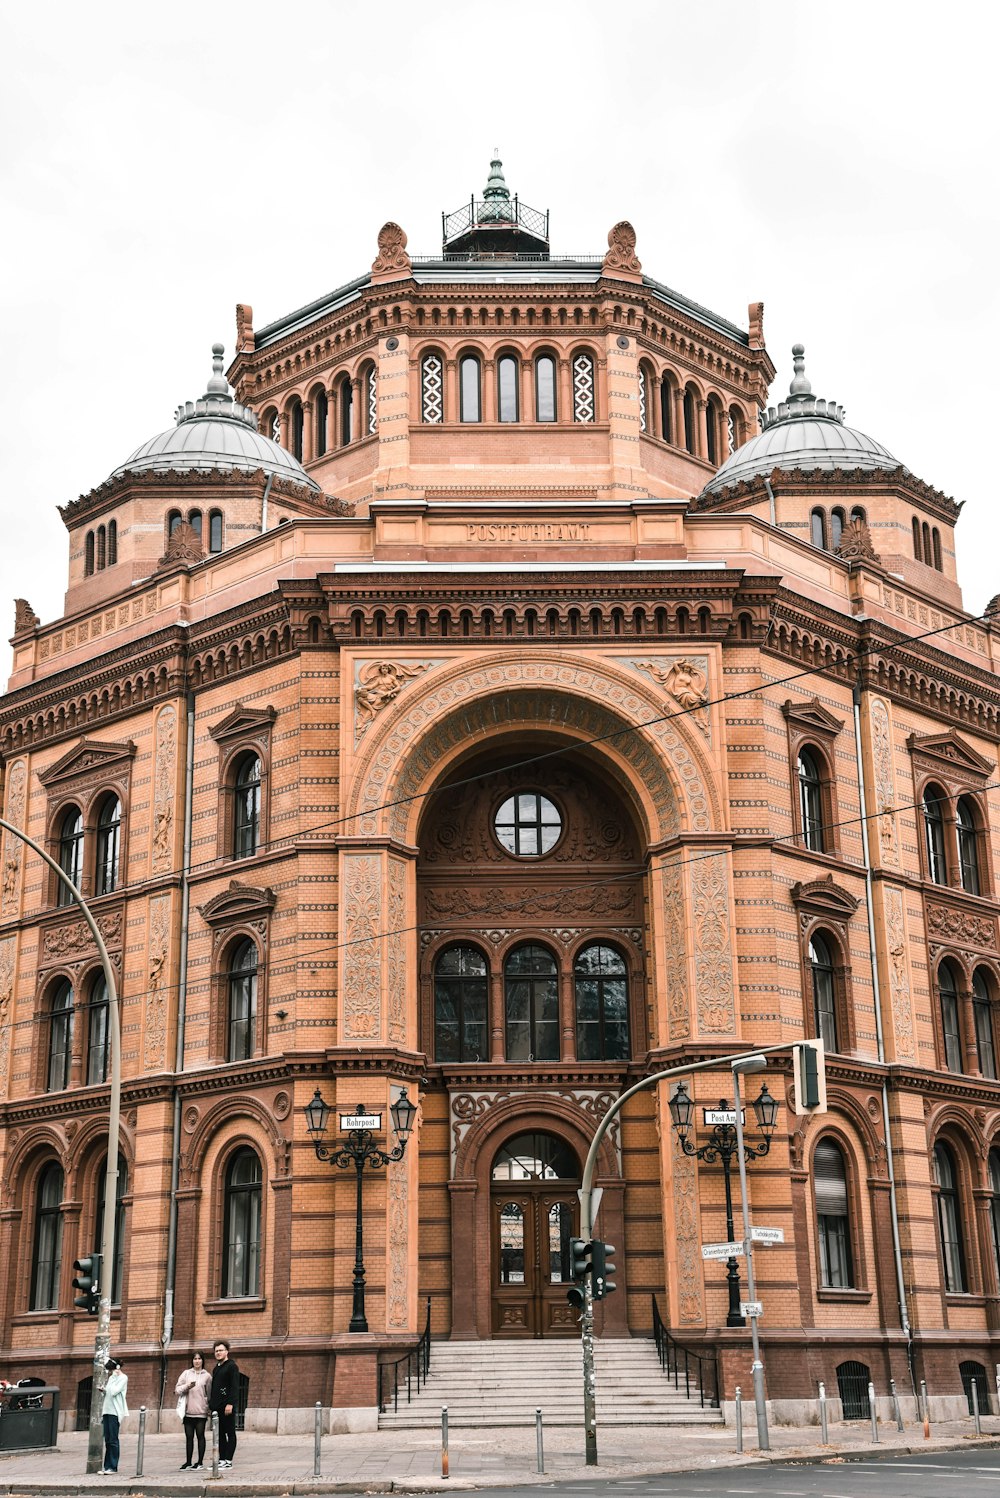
x=822 y=1413
x=739 y=1419
x=215 y=1443
x=140 y=1450
x=927 y=1417
x=898 y=1413
x=317 y=1440
x=975 y=1407
x=444 y=1440
x=538 y=1440
x=873 y=1411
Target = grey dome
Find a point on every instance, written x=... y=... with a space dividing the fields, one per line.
x=804 y=433
x=215 y=432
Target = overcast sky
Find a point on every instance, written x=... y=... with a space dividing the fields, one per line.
x=163 y=162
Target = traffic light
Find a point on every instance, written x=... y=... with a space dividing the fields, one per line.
x=602 y=1268
x=88 y=1282
x=581 y=1255
x=809 y=1071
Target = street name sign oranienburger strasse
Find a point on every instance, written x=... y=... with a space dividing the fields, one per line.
x=722 y=1250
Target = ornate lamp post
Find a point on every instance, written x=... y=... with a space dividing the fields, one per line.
x=723 y=1146
x=359 y=1150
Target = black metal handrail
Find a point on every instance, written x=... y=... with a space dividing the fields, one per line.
x=679 y=1362
x=418 y=1365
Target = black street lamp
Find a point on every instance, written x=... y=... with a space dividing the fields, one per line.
x=722 y=1146
x=359 y=1150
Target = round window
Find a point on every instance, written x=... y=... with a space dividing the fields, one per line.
x=528 y=824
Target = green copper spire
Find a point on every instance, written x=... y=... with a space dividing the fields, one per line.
x=496 y=194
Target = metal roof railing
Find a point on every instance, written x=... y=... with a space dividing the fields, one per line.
x=487 y=213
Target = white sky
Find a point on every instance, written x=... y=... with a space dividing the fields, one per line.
x=162 y=162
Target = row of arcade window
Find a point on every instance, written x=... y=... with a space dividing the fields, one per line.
x=100 y=548
x=950 y=1216
x=952 y=1027
x=325 y=434
x=660 y=418
x=512 y=401
x=195 y=520
x=531 y=1004
x=927 y=544
x=826 y=532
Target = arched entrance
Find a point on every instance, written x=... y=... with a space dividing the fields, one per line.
x=534 y=1213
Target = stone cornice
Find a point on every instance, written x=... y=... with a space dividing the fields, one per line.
x=112 y=490
x=806 y=480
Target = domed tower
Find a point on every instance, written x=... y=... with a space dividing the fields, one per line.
x=497 y=225
x=202 y=486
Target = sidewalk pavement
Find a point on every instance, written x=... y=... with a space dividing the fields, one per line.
x=410 y=1461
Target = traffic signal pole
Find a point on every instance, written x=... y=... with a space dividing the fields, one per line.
x=102 y=1340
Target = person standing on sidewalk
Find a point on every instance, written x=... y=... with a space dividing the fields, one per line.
x=223 y=1398
x=113 y=1412
x=195 y=1387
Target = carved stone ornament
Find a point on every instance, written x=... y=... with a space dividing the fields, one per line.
x=163 y=784
x=239 y=902
x=882 y=758
x=377 y=684
x=74 y=938
x=89 y=756
x=823 y=897
x=621 y=259
x=244 y=328
x=155 y=1007
x=17 y=781
x=949 y=752
x=184 y=545
x=24 y=616
x=899 y=982
x=243 y=722
x=856 y=543
x=392 y=259
x=6 y=995
x=684 y=682
x=962 y=927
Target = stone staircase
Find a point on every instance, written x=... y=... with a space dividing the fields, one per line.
x=503 y=1383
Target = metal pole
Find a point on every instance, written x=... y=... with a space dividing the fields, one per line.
x=975 y=1407
x=763 y=1439
x=739 y=1419
x=927 y=1413
x=140 y=1450
x=733 y=1317
x=895 y=1405
x=102 y=1339
x=317 y=1439
x=538 y=1441
x=589 y=1379
x=444 y=1440
x=873 y=1412
x=359 y=1321
x=214 y=1423
x=822 y=1414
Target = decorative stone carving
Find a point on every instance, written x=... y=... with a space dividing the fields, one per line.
x=6 y=998
x=962 y=927
x=881 y=731
x=621 y=261
x=164 y=776
x=157 y=962
x=684 y=682
x=713 y=958
x=899 y=983
x=24 y=616
x=949 y=752
x=687 y=1239
x=395 y=950
x=363 y=925
x=392 y=260
x=183 y=546
x=90 y=760
x=17 y=781
x=377 y=683
x=466 y=1107
x=244 y=328
x=675 y=954
x=75 y=939
x=501 y=902
x=856 y=543
x=240 y=902
x=397 y=1287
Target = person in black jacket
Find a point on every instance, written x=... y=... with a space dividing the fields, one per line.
x=225 y=1388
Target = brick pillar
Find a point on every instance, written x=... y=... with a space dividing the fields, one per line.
x=451 y=408
x=567 y=1024
x=564 y=410
x=466 y=1256
x=497 y=1017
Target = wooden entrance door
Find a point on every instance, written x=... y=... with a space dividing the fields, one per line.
x=531 y=1230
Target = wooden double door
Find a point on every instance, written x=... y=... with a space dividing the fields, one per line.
x=531 y=1227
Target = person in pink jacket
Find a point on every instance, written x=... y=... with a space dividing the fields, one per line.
x=195 y=1383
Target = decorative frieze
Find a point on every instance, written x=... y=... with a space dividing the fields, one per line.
x=363 y=925
x=899 y=982
x=467 y=1107
x=13 y=854
x=966 y=928
x=885 y=793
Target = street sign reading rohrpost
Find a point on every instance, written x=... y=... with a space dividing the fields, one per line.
x=349 y=1121
x=722 y=1250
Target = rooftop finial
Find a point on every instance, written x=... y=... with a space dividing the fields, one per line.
x=496 y=193
x=800 y=385
x=218 y=384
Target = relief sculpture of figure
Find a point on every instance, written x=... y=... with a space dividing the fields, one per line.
x=378 y=683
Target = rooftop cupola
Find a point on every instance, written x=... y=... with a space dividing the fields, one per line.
x=496 y=226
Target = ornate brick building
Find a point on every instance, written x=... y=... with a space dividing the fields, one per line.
x=497 y=700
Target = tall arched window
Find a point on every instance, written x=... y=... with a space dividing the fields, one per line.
x=584 y=394
x=241 y=984
x=950 y=1028
x=712 y=432
x=97 y=1032
x=949 y=1220
x=246 y=807
x=531 y=989
x=109 y=827
x=833 y=1228
x=837 y=521
x=982 y=1011
x=194 y=521
x=345 y=401
x=461 y=985
x=70 y=852
x=925 y=533
x=215 y=530
x=933 y=809
x=102 y=548
x=690 y=420
x=88 y=555
x=322 y=408
x=858 y=514
x=174 y=521
x=60 y=1035
x=817 y=529
x=47 y=1258
x=241 y=1237
x=936 y=543
x=112 y=542
x=470 y=405
x=666 y=411
x=296 y=426
x=600 y=979
x=968 y=844
x=432 y=389
x=545 y=388
x=508 y=379
x=917 y=551
x=824 y=990
x=811 y=801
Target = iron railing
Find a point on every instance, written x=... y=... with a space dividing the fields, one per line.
x=682 y=1364
x=476 y=212
x=514 y=257
x=417 y=1367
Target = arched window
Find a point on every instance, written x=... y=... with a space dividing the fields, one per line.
x=97 y=1032
x=690 y=414
x=241 y=1238
x=824 y=990
x=817 y=529
x=712 y=432
x=535 y=1157
x=345 y=400
x=601 y=983
x=508 y=377
x=109 y=826
x=470 y=406
x=995 y=1204
x=246 y=807
x=950 y=1028
x=643 y=398
x=833 y=1228
x=102 y=548
x=982 y=1012
x=371 y=400
x=174 y=520
x=949 y=1220
x=837 y=521
x=584 y=397
x=296 y=426
x=917 y=551
x=241 y=1008
x=936 y=543
x=531 y=990
x=47 y=1259
x=666 y=411
x=925 y=533
x=461 y=982
x=858 y=514
x=811 y=801
x=215 y=530
x=933 y=808
x=70 y=852
x=121 y=1191
x=432 y=389
x=322 y=408
x=194 y=521
x=60 y=1035
x=968 y=844
x=112 y=542
x=545 y=388
x=88 y=555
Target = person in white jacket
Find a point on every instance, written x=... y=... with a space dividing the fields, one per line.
x=113 y=1411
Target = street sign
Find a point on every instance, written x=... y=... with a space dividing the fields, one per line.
x=349 y=1121
x=722 y=1116
x=722 y=1250
x=751 y=1308
x=767 y=1235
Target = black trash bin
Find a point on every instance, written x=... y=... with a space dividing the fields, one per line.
x=29 y=1416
